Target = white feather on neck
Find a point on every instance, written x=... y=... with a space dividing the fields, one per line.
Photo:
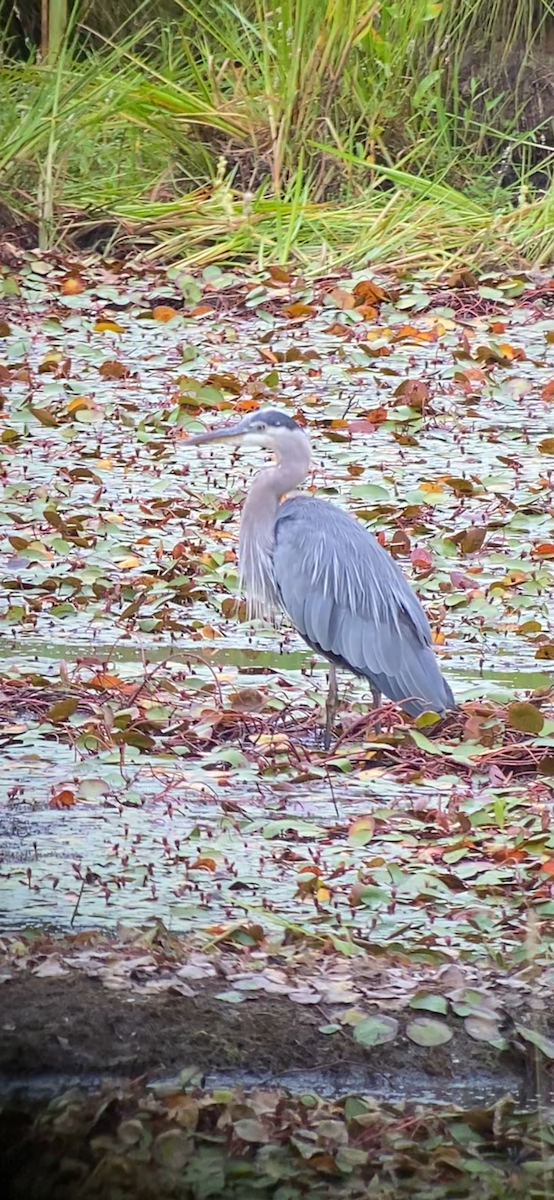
x=257 y=531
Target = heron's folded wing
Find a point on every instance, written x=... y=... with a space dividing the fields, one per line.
x=348 y=598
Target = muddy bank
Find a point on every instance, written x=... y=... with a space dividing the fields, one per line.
x=76 y=1029
x=106 y=1094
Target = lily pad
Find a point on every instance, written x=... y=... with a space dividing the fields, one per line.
x=424 y=1031
x=375 y=1031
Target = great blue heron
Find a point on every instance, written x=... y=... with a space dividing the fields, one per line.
x=343 y=593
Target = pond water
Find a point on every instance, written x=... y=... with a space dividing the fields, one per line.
x=102 y=499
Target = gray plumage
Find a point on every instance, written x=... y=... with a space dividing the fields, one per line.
x=343 y=593
x=350 y=601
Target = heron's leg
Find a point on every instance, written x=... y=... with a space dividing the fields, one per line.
x=330 y=707
x=375 y=702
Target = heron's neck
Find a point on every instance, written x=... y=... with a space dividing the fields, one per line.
x=270 y=487
x=258 y=521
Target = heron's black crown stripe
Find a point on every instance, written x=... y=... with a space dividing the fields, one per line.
x=271 y=416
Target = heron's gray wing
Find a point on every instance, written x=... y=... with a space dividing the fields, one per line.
x=349 y=599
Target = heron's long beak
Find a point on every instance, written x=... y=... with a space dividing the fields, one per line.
x=227 y=433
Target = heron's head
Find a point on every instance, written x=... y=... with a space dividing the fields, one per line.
x=268 y=428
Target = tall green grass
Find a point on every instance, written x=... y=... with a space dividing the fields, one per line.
x=322 y=130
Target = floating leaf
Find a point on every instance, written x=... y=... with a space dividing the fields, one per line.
x=279 y=275
x=50 y=968
x=414 y=392
x=113 y=370
x=462 y=487
x=164 y=313
x=77 y=403
x=172 y=1150
x=361 y=831
x=108 y=327
x=375 y=1031
x=543 y=1043
x=133 y=737
x=341 y=298
x=399 y=544
x=472 y=539
x=370 y=894
x=250 y=1130
x=424 y=1031
x=421 y=559
x=546 y=651
x=126 y=564
x=367 y=423
x=366 y=291
x=525 y=717
x=483 y=1027
x=350 y=1157
x=299 y=311
x=62 y=710
x=63 y=799
x=132 y=1132
x=247 y=700
x=430 y=1001
x=73 y=286
x=426 y=744
x=45 y=415
x=426 y=718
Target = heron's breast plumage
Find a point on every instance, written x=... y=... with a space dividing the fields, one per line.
x=257 y=575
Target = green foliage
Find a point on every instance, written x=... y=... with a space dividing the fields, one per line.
x=292 y=130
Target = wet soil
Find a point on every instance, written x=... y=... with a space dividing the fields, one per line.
x=92 y=1082
x=77 y=1029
